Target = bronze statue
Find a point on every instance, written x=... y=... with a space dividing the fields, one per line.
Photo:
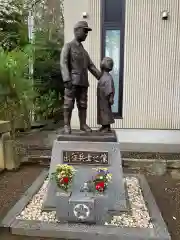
x=105 y=96
x=75 y=63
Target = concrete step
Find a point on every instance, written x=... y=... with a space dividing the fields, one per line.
x=147 y=140
x=138 y=146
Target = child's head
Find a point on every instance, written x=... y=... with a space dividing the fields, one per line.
x=107 y=64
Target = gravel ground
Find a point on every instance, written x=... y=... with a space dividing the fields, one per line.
x=139 y=216
x=166 y=190
x=14 y=184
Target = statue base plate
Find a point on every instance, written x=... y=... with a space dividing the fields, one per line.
x=94 y=136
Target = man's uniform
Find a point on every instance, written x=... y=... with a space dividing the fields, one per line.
x=75 y=63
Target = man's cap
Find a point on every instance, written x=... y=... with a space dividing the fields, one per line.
x=82 y=24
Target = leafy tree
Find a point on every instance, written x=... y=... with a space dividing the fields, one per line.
x=49 y=24
x=16 y=89
x=49 y=39
x=13 y=27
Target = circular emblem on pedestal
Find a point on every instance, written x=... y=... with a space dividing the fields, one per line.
x=81 y=211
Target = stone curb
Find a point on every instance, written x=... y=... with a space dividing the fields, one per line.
x=127 y=162
x=27 y=196
x=5 y=126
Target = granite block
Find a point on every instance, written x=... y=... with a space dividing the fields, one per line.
x=62 y=205
x=116 y=189
x=81 y=208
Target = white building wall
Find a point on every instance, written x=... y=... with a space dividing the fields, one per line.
x=151 y=61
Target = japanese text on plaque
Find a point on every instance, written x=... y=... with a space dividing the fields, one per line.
x=92 y=158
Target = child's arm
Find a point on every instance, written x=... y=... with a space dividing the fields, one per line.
x=111 y=98
x=109 y=89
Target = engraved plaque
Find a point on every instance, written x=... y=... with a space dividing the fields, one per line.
x=88 y=158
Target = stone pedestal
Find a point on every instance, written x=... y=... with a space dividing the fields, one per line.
x=86 y=155
x=2 y=159
x=93 y=136
x=36 y=227
x=83 y=215
x=4 y=135
x=12 y=159
x=81 y=207
x=9 y=158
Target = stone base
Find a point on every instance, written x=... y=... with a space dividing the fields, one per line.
x=93 y=136
x=116 y=189
x=83 y=231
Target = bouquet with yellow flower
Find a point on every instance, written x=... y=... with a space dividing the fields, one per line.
x=64 y=176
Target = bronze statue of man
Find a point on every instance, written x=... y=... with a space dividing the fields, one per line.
x=75 y=63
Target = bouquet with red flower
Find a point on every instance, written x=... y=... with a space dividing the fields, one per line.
x=101 y=179
x=64 y=176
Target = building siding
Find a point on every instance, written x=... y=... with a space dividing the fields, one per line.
x=151 y=62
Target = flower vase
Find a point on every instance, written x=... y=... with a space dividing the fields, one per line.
x=62 y=192
x=100 y=187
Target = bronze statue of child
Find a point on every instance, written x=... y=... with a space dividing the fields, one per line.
x=105 y=96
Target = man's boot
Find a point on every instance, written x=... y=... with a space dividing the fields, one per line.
x=82 y=118
x=67 y=120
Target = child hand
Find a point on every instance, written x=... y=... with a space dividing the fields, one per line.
x=111 y=100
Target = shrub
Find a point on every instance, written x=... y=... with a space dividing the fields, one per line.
x=16 y=88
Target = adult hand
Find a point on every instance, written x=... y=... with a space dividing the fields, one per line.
x=68 y=85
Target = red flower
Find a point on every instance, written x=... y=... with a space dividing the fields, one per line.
x=66 y=180
x=100 y=186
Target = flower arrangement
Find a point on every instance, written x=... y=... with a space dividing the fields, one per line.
x=64 y=176
x=101 y=179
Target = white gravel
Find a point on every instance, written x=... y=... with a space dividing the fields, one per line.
x=138 y=217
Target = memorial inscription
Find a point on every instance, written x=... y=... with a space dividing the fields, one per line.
x=85 y=157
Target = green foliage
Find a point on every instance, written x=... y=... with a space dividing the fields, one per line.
x=47 y=80
x=47 y=73
x=16 y=89
x=45 y=104
x=47 y=76
x=46 y=65
x=13 y=27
